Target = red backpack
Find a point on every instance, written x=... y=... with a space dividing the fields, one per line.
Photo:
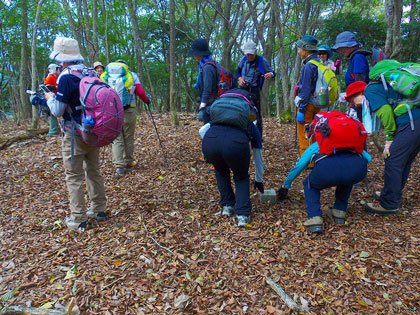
x=337 y=131
x=225 y=79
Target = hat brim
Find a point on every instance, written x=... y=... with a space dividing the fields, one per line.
x=60 y=57
x=344 y=44
x=196 y=52
x=304 y=46
x=249 y=51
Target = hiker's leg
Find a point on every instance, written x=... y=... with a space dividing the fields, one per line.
x=211 y=147
x=118 y=148
x=310 y=113
x=129 y=131
x=403 y=151
x=54 y=128
x=312 y=199
x=75 y=175
x=257 y=103
x=342 y=195
x=237 y=155
x=94 y=180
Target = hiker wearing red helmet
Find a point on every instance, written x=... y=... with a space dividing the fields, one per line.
x=402 y=145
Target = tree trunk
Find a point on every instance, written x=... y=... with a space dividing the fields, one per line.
x=172 y=63
x=96 y=48
x=34 y=85
x=74 y=28
x=389 y=14
x=105 y=12
x=136 y=35
x=88 y=36
x=396 y=31
x=26 y=108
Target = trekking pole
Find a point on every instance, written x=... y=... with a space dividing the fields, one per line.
x=157 y=133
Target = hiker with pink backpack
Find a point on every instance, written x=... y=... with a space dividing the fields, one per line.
x=92 y=117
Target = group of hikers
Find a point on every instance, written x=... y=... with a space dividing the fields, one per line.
x=229 y=107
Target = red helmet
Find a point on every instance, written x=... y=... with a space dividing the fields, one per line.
x=354 y=88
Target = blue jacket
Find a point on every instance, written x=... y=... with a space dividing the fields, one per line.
x=253 y=71
x=307 y=82
x=358 y=69
x=305 y=159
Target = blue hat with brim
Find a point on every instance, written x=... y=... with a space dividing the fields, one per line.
x=199 y=47
x=345 y=39
x=308 y=42
x=327 y=49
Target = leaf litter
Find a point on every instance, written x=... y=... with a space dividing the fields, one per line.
x=183 y=257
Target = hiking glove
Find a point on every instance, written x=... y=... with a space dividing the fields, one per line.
x=300 y=117
x=282 y=193
x=259 y=186
x=386 y=152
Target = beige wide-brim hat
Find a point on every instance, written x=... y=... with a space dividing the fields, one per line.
x=66 y=50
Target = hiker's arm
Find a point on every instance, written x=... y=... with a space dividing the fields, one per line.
x=56 y=107
x=269 y=72
x=386 y=115
x=140 y=93
x=304 y=160
x=306 y=86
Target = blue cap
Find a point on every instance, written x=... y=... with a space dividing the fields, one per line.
x=345 y=39
x=327 y=49
x=308 y=42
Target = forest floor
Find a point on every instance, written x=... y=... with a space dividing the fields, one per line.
x=167 y=250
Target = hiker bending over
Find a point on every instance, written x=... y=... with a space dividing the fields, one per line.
x=127 y=84
x=206 y=82
x=402 y=143
x=336 y=154
x=306 y=111
x=85 y=163
x=251 y=73
x=226 y=145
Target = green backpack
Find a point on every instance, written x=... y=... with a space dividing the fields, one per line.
x=403 y=77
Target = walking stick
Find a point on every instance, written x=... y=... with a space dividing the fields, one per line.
x=157 y=133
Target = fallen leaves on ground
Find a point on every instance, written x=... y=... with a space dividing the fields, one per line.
x=204 y=264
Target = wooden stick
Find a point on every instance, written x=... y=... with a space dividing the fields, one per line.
x=283 y=295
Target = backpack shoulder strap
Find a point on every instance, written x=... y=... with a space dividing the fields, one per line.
x=260 y=64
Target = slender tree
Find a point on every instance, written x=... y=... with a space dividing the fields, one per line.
x=172 y=63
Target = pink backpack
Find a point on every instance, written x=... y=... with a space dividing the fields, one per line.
x=103 y=113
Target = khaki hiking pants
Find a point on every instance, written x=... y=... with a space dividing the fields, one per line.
x=86 y=165
x=123 y=146
x=310 y=113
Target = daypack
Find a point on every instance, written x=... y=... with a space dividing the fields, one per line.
x=103 y=113
x=326 y=90
x=225 y=79
x=233 y=108
x=376 y=55
x=118 y=76
x=403 y=77
x=336 y=131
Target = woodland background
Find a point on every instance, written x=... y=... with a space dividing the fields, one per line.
x=154 y=36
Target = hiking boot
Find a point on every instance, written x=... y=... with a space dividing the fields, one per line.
x=99 y=217
x=314 y=224
x=375 y=207
x=120 y=171
x=202 y=159
x=132 y=164
x=75 y=226
x=338 y=216
x=227 y=211
x=211 y=168
x=243 y=220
